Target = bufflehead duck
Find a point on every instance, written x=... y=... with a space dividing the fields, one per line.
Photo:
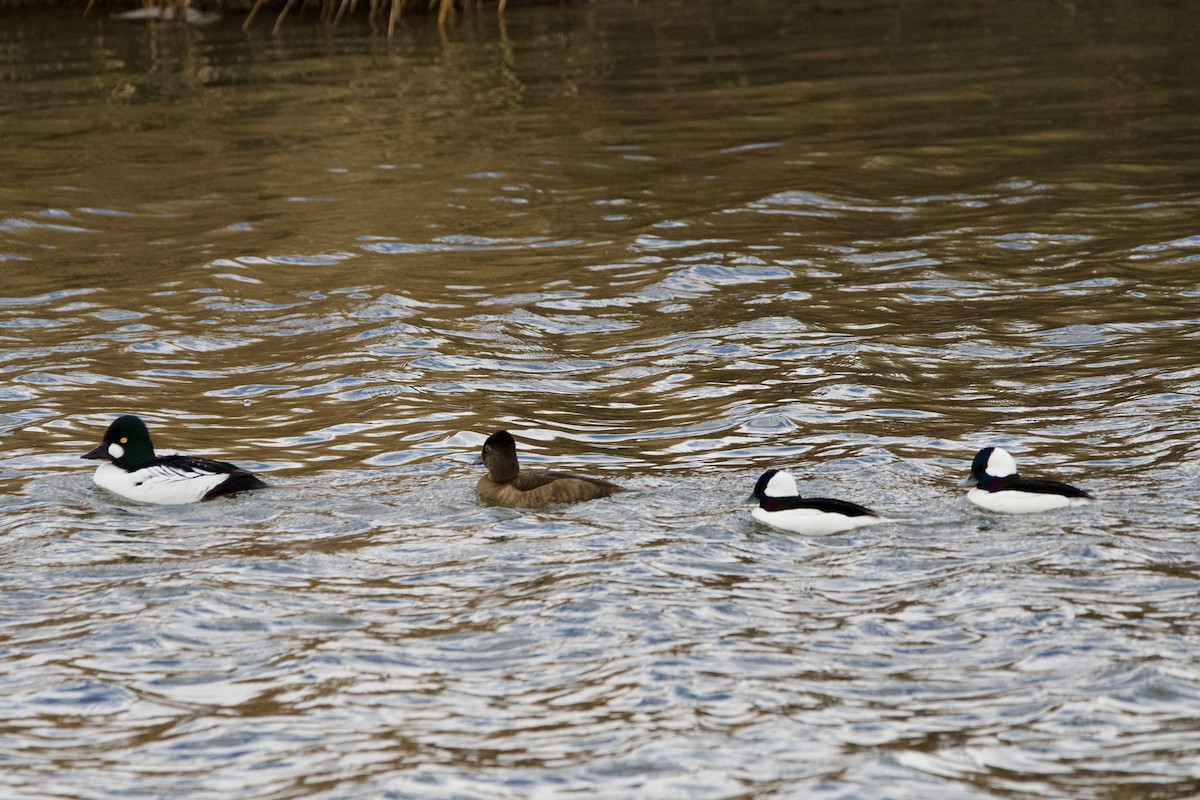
x=135 y=472
x=999 y=488
x=781 y=506
x=507 y=484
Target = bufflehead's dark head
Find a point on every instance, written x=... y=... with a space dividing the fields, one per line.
x=775 y=483
x=126 y=443
x=499 y=455
x=990 y=462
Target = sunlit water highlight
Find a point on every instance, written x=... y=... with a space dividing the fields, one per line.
x=670 y=244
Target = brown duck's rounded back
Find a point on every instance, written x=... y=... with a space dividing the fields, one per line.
x=535 y=488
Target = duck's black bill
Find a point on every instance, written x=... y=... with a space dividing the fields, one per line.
x=98 y=451
x=970 y=480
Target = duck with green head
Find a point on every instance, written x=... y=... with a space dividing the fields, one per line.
x=134 y=471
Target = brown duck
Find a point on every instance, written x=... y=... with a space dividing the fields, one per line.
x=507 y=484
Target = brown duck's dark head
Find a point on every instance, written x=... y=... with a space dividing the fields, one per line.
x=500 y=457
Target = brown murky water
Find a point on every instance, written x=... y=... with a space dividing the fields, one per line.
x=672 y=244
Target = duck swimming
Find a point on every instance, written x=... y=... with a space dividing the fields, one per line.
x=998 y=487
x=135 y=472
x=781 y=506
x=507 y=484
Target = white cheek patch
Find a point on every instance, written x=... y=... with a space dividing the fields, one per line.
x=115 y=450
x=1001 y=464
x=782 y=484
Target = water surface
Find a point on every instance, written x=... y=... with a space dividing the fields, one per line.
x=671 y=244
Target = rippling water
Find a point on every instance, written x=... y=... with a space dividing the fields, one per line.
x=671 y=244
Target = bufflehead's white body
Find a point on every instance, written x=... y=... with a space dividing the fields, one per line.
x=781 y=506
x=135 y=472
x=998 y=488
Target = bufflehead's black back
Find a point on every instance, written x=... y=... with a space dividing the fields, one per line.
x=135 y=472
x=507 y=484
x=781 y=506
x=998 y=487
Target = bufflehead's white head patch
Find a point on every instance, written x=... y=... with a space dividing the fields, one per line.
x=775 y=483
x=991 y=464
x=782 y=484
x=1000 y=464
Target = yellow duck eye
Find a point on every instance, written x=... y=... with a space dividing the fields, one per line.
x=124 y=440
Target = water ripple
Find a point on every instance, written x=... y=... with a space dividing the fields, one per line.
x=860 y=257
